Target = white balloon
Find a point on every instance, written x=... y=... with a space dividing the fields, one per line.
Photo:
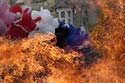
x=47 y=24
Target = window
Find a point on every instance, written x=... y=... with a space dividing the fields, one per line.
x=84 y=20
x=69 y=13
x=69 y=20
x=86 y=12
x=65 y=14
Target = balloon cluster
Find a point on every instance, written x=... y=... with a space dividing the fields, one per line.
x=70 y=36
x=17 y=22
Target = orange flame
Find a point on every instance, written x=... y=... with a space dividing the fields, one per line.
x=38 y=60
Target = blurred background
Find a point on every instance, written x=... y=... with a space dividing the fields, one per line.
x=78 y=12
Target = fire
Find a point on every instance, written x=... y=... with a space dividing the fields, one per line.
x=30 y=60
x=38 y=60
x=108 y=37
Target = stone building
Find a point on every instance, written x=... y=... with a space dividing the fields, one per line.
x=79 y=12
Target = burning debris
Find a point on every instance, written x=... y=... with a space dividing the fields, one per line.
x=37 y=59
x=30 y=60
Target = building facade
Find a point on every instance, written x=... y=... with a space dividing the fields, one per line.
x=78 y=12
x=65 y=14
x=83 y=12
